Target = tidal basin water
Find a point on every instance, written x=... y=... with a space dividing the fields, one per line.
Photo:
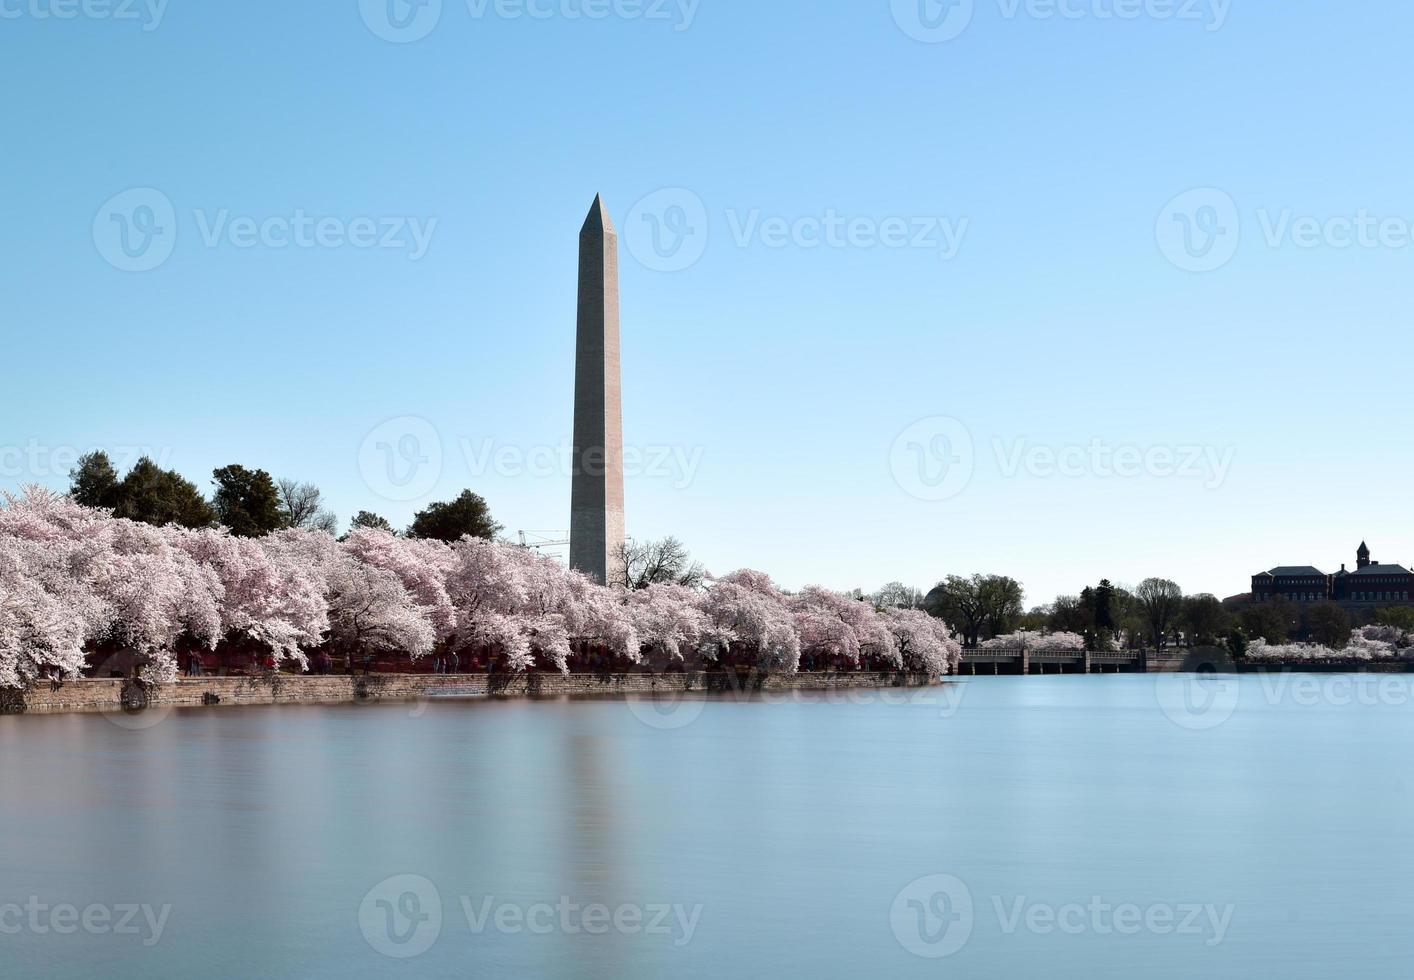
x=1000 y=827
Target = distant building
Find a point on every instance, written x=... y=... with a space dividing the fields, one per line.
x=1295 y=583
x=1371 y=585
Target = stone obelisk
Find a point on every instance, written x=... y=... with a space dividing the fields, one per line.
x=597 y=498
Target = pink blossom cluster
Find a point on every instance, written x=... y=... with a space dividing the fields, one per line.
x=1367 y=643
x=1036 y=641
x=75 y=581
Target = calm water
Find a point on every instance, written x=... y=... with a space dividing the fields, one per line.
x=1005 y=822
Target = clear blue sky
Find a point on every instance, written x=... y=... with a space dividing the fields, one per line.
x=1067 y=317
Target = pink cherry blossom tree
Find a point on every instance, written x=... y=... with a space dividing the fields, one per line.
x=1035 y=640
x=925 y=643
x=746 y=612
x=670 y=622
x=76 y=582
x=835 y=626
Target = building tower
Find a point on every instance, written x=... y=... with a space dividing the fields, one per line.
x=597 y=495
x=1362 y=557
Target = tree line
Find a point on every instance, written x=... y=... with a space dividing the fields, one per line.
x=250 y=503
x=1155 y=613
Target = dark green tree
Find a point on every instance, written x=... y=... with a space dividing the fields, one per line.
x=1160 y=603
x=367 y=520
x=247 y=501
x=1069 y=614
x=1104 y=605
x=1002 y=598
x=450 y=522
x=94 y=482
x=1400 y=617
x=148 y=493
x=153 y=495
x=1329 y=625
x=1204 y=619
x=1270 y=621
x=982 y=603
x=1037 y=619
x=958 y=602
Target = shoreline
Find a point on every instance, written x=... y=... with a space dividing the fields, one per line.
x=126 y=695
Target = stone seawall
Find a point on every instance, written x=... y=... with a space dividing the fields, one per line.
x=118 y=694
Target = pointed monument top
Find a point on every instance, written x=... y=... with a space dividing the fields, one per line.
x=599 y=218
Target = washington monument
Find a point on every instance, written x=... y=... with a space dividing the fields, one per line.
x=597 y=498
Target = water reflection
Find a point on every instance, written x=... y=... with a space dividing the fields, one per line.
x=790 y=827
